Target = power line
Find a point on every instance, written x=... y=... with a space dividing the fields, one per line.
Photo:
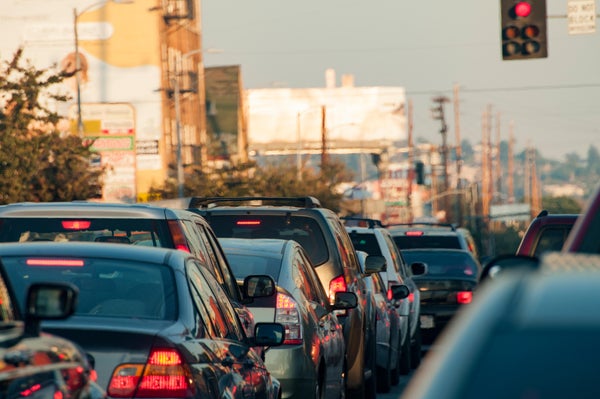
x=505 y=89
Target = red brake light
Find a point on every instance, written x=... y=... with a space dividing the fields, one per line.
x=413 y=233
x=338 y=284
x=55 y=262
x=390 y=294
x=411 y=297
x=248 y=222
x=76 y=224
x=179 y=239
x=165 y=375
x=464 y=297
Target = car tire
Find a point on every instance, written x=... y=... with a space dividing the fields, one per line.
x=395 y=374
x=371 y=382
x=384 y=376
x=405 y=357
x=416 y=348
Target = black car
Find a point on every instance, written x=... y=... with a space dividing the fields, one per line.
x=155 y=321
x=452 y=277
x=132 y=224
x=428 y=235
x=41 y=366
x=324 y=237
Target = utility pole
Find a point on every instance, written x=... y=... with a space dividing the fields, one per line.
x=411 y=162
x=323 y=138
x=511 y=165
x=438 y=114
x=498 y=165
x=458 y=200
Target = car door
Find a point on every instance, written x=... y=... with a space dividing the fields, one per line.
x=330 y=329
x=245 y=371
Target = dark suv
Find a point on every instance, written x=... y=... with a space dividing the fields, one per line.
x=427 y=235
x=134 y=224
x=324 y=237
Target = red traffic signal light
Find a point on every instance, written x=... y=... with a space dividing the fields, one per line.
x=523 y=25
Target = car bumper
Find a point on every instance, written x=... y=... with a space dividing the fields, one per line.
x=294 y=370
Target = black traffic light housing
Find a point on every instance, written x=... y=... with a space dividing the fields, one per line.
x=524 y=33
x=420 y=172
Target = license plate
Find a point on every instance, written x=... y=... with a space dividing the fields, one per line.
x=427 y=321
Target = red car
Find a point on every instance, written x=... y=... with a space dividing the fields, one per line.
x=547 y=232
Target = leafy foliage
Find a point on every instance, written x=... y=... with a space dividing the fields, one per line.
x=249 y=179
x=37 y=162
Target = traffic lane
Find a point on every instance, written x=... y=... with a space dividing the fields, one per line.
x=396 y=391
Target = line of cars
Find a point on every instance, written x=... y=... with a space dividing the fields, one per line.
x=248 y=297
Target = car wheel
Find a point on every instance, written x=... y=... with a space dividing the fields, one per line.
x=415 y=349
x=384 y=377
x=405 y=357
x=395 y=374
x=371 y=383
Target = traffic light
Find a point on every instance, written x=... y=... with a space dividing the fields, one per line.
x=420 y=172
x=523 y=29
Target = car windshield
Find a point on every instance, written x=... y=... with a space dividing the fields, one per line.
x=444 y=263
x=107 y=287
x=306 y=231
x=124 y=231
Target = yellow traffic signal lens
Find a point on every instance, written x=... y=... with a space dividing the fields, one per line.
x=531 y=47
x=511 y=33
x=531 y=31
x=511 y=48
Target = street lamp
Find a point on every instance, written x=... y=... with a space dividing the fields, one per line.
x=76 y=15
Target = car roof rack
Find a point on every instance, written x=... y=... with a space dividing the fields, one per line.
x=352 y=221
x=211 y=202
x=416 y=224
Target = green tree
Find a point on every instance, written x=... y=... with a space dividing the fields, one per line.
x=561 y=204
x=277 y=180
x=37 y=162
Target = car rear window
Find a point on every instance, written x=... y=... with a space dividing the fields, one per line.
x=124 y=231
x=108 y=288
x=365 y=242
x=427 y=241
x=304 y=230
x=444 y=263
x=244 y=265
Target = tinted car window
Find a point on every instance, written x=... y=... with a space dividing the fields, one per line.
x=125 y=289
x=409 y=242
x=129 y=231
x=246 y=265
x=365 y=242
x=551 y=239
x=306 y=231
x=444 y=263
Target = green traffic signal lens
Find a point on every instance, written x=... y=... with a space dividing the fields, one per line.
x=531 y=31
x=511 y=48
x=511 y=32
x=531 y=47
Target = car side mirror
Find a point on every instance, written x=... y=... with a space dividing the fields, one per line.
x=268 y=334
x=418 y=268
x=375 y=264
x=500 y=264
x=258 y=286
x=345 y=300
x=48 y=301
x=399 y=291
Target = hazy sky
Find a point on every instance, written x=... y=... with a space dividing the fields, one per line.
x=426 y=46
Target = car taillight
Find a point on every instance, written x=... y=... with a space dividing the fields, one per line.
x=413 y=233
x=248 y=222
x=55 y=262
x=178 y=236
x=76 y=224
x=338 y=284
x=287 y=314
x=390 y=294
x=164 y=376
x=463 y=297
x=411 y=297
